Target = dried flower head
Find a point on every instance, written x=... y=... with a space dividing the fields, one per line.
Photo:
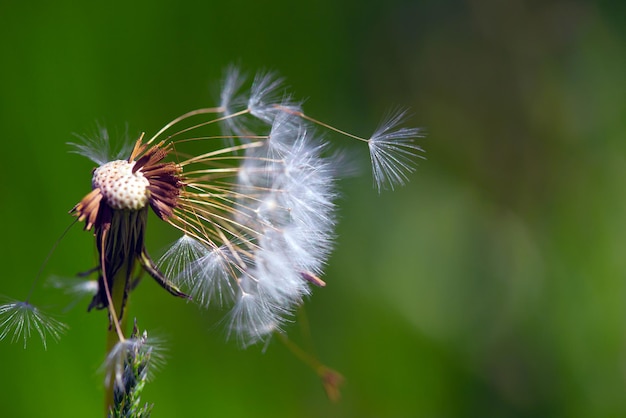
x=254 y=203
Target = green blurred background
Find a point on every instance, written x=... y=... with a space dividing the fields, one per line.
x=493 y=285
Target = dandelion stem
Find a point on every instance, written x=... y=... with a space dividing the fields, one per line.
x=114 y=335
x=115 y=300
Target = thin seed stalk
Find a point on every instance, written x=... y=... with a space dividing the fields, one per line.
x=117 y=296
x=331 y=379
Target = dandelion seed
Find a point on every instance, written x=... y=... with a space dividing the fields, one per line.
x=265 y=94
x=98 y=147
x=231 y=101
x=76 y=288
x=256 y=211
x=200 y=270
x=254 y=317
x=18 y=320
x=393 y=152
x=231 y=85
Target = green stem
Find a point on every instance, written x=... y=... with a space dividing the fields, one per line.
x=113 y=333
x=119 y=241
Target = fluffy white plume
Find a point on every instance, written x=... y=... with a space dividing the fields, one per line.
x=259 y=215
x=393 y=152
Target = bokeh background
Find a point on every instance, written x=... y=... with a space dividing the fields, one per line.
x=493 y=285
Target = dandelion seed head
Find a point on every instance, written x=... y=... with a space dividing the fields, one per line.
x=19 y=319
x=117 y=208
x=121 y=187
x=257 y=215
x=262 y=237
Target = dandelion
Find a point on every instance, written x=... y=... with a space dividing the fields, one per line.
x=117 y=209
x=256 y=211
x=251 y=186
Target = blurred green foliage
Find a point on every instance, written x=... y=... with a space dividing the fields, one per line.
x=493 y=285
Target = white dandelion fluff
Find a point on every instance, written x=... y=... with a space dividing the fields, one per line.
x=99 y=148
x=20 y=319
x=77 y=288
x=251 y=185
x=256 y=205
x=204 y=272
x=393 y=152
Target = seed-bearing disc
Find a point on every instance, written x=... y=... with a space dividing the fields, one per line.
x=120 y=187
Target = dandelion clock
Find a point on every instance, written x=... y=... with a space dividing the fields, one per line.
x=250 y=185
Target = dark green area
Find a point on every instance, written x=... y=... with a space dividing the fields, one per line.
x=493 y=285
